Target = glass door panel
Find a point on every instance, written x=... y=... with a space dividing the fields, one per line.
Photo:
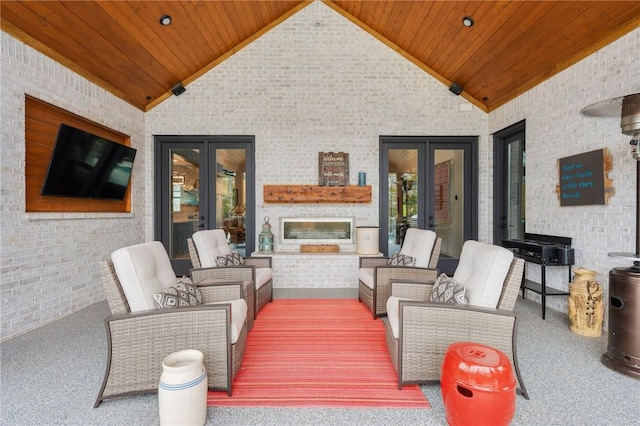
x=514 y=193
x=203 y=183
x=509 y=157
x=184 y=202
x=231 y=196
x=448 y=200
x=403 y=203
x=429 y=183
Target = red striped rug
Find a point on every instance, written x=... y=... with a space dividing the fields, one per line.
x=317 y=353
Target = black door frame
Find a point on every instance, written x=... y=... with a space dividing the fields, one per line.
x=208 y=145
x=469 y=144
x=501 y=140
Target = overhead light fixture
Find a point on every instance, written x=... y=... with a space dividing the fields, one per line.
x=165 y=20
x=455 y=88
x=468 y=21
x=178 y=89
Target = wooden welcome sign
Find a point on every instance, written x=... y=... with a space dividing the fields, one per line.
x=333 y=169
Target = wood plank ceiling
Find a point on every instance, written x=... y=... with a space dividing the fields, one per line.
x=512 y=46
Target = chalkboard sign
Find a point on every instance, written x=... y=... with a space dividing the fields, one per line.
x=333 y=169
x=582 y=179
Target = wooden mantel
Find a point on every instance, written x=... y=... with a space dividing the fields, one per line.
x=314 y=194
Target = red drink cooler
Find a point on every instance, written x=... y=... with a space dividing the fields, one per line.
x=478 y=385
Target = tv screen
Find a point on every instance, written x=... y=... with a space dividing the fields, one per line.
x=88 y=166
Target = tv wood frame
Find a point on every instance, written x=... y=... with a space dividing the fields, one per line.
x=42 y=121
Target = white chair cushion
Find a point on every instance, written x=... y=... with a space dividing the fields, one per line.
x=263 y=275
x=482 y=270
x=211 y=244
x=238 y=316
x=419 y=243
x=393 y=314
x=143 y=270
x=366 y=276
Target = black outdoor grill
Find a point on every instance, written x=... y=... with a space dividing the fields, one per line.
x=545 y=250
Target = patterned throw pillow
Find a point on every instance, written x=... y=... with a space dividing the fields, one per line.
x=182 y=293
x=401 y=260
x=232 y=259
x=446 y=290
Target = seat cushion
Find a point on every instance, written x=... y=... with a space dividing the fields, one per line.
x=143 y=270
x=419 y=243
x=238 y=316
x=366 y=276
x=210 y=244
x=263 y=275
x=393 y=314
x=482 y=270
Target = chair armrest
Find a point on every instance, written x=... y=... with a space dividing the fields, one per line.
x=138 y=342
x=372 y=262
x=388 y=273
x=258 y=262
x=435 y=326
x=435 y=253
x=413 y=290
x=224 y=273
x=215 y=291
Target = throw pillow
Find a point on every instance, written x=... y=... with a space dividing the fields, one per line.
x=182 y=293
x=447 y=290
x=401 y=260
x=232 y=259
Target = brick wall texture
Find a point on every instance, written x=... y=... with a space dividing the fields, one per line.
x=314 y=83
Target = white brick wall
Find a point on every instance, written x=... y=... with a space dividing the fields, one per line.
x=49 y=262
x=314 y=83
x=316 y=271
x=318 y=83
x=555 y=129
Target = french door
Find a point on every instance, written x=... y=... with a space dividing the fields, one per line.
x=429 y=183
x=509 y=183
x=204 y=182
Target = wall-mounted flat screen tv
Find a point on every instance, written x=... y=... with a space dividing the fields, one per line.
x=88 y=166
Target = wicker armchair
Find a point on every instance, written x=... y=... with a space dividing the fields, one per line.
x=206 y=246
x=418 y=332
x=375 y=273
x=138 y=341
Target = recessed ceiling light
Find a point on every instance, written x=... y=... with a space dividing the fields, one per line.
x=467 y=21
x=165 y=20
